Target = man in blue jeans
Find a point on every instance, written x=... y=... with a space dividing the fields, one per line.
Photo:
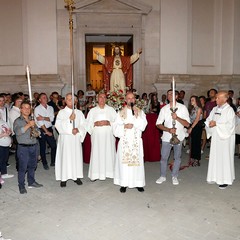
x=27 y=148
x=164 y=123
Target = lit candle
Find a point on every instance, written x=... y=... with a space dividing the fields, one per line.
x=29 y=83
x=173 y=93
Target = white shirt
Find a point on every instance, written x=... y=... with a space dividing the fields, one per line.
x=14 y=113
x=166 y=118
x=4 y=141
x=44 y=112
x=4 y=114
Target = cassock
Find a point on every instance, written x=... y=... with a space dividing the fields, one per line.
x=69 y=160
x=129 y=168
x=103 y=148
x=221 y=158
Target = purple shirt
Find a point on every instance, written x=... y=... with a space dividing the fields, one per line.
x=209 y=106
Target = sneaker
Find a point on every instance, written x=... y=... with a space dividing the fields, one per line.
x=4 y=176
x=202 y=151
x=35 y=185
x=1 y=181
x=22 y=190
x=161 y=180
x=175 y=181
x=188 y=151
x=8 y=165
x=223 y=186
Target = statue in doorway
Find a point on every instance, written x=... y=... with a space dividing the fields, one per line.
x=117 y=70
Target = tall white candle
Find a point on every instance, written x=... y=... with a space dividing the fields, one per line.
x=173 y=93
x=29 y=83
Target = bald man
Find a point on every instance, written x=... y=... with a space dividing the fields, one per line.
x=220 y=125
x=128 y=126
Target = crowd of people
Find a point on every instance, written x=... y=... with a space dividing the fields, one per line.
x=60 y=124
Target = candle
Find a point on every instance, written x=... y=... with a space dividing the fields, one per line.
x=173 y=93
x=29 y=83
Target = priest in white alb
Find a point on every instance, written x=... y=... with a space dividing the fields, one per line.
x=69 y=160
x=220 y=125
x=103 y=148
x=129 y=125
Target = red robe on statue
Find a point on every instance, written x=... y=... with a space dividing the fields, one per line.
x=126 y=68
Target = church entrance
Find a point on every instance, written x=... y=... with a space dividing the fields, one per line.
x=104 y=45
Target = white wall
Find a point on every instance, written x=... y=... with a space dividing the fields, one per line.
x=42 y=36
x=28 y=37
x=173 y=36
x=236 y=48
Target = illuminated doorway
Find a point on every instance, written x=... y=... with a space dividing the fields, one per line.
x=104 y=45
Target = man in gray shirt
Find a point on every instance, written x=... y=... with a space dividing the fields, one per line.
x=27 y=148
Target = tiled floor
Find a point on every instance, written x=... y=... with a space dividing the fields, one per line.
x=98 y=211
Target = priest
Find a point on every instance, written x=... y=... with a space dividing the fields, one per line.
x=220 y=125
x=69 y=160
x=128 y=126
x=103 y=148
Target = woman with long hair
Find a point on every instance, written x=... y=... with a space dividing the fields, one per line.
x=195 y=131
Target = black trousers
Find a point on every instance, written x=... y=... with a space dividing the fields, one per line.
x=43 y=140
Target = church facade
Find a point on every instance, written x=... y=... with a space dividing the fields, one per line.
x=196 y=41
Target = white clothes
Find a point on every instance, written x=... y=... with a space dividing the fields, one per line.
x=221 y=158
x=129 y=168
x=165 y=118
x=44 y=112
x=14 y=113
x=103 y=148
x=69 y=159
x=4 y=141
x=4 y=114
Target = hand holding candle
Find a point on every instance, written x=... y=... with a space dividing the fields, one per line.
x=29 y=83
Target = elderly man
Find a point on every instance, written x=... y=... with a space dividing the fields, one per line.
x=128 y=126
x=71 y=128
x=103 y=152
x=220 y=125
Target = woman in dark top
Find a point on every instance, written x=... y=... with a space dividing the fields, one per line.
x=155 y=104
x=195 y=131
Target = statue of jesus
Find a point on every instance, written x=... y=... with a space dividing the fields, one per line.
x=117 y=70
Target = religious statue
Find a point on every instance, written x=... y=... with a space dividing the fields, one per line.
x=117 y=70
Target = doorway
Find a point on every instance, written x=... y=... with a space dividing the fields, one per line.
x=104 y=45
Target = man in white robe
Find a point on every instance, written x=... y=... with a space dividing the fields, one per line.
x=220 y=125
x=129 y=125
x=103 y=149
x=69 y=159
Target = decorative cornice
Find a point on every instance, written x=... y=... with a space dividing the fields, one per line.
x=112 y=6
